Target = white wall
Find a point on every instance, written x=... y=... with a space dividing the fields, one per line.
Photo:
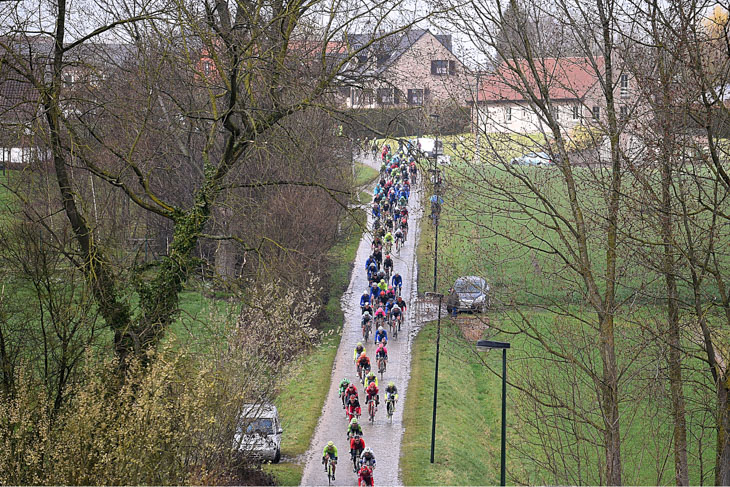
x=493 y=117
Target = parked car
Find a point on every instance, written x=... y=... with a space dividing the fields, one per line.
x=533 y=159
x=259 y=432
x=473 y=293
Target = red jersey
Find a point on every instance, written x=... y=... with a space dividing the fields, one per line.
x=363 y=361
x=372 y=389
x=365 y=476
x=357 y=444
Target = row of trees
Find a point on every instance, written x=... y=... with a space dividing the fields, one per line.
x=183 y=139
x=628 y=239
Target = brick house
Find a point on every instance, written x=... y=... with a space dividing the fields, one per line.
x=414 y=68
x=573 y=89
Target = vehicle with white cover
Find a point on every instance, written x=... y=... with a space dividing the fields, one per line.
x=259 y=431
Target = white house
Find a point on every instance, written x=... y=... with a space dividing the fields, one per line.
x=502 y=100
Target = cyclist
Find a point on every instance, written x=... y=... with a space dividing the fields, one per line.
x=388 y=263
x=374 y=291
x=372 y=392
x=390 y=294
x=391 y=394
x=367 y=458
x=368 y=308
x=378 y=254
x=380 y=354
x=371 y=378
x=354 y=428
x=383 y=285
x=353 y=404
x=402 y=201
x=397 y=282
x=344 y=384
x=351 y=391
x=376 y=211
x=396 y=312
x=381 y=334
x=388 y=240
x=380 y=315
x=359 y=350
x=365 y=477
x=404 y=227
x=330 y=450
x=364 y=299
x=399 y=238
x=363 y=363
x=366 y=317
x=357 y=445
x=401 y=302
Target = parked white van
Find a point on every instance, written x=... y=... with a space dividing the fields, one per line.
x=259 y=432
x=430 y=149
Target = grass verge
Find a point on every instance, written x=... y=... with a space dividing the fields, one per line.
x=364 y=174
x=299 y=418
x=467 y=424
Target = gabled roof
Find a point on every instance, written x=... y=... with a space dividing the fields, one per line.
x=392 y=47
x=567 y=78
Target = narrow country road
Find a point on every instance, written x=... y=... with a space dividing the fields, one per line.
x=384 y=436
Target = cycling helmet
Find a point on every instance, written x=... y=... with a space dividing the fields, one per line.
x=359 y=345
x=371 y=374
x=391 y=384
x=390 y=288
x=380 y=328
x=382 y=293
x=330 y=443
x=354 y=421
x=387 y=256
x=366 y=450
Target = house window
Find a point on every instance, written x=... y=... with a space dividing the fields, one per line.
x=415 y=97
x=596 y=112
x=624 y=83
x=624 y=112
x=576 y=112
x=508 y=114
x=440 y=67
x=385 y=96
x=556 y=113
x=367 y=97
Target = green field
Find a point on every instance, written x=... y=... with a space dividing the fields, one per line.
x=553 y=403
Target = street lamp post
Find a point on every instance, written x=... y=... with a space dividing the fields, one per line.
x=436 y=372
x=484 y=346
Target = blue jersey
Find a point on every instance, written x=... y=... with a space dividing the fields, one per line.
x=364 y=299
x=374 y=291
x=380 y=335
x=397 y=281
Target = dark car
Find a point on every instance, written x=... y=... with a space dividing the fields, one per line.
x=473 y=292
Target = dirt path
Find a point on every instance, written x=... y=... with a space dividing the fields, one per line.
x=384 y=436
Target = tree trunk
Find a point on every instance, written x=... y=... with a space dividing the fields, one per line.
x=674 y=359
x=722 y=469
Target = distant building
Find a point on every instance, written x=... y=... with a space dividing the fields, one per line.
x=573 y=88
x=412 y=68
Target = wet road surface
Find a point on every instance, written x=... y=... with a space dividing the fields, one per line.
x=384 y=436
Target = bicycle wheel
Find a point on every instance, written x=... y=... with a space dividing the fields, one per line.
x=389 y=407
x=329 y=472
x=371 y=411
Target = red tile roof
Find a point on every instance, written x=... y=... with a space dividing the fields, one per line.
x=567 y=79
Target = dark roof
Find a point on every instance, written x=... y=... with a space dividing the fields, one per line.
x=392 y=47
